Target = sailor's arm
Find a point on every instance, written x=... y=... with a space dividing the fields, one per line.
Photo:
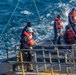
x=70 y=17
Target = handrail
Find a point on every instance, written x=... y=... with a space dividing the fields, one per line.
x=25 y=62
x=59 y=57
x=47 y=44
x=68 y=55
x=41 y=45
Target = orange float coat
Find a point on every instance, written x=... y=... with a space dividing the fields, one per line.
x=73 y=16
x=31 y=41
x=59 y=23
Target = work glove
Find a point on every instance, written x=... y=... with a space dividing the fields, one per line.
x=31 y=48
x=58 y=34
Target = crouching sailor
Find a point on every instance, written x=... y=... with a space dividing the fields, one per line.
x=69 y=35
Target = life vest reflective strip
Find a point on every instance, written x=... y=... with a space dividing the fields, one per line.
x=70 y=35
x=59 y=23
x=73 y=16
x=31 y=41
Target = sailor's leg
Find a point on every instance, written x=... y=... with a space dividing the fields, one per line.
x=15 y=65
x=58 y=40
x=55 y=42
x=55 y=39
x=29 y=65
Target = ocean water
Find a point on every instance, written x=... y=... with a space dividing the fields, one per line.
x=14 y=15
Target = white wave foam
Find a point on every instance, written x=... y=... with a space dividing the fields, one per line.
x=72 y=1
x=26 y=12
x=48 y=15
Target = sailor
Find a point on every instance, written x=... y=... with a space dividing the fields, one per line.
x=72 y=18
x=27 y=42
x=69 y=35
x=57 y=29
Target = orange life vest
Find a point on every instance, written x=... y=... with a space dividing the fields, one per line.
x=70 y=35
x=59 y=23
x=31 y=41
x=73 y=16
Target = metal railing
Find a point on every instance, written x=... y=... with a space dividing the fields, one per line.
x=62 y=60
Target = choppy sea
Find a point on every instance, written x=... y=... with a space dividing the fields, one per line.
x=14 y=15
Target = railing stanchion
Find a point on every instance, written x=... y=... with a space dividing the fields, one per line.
x=59 y=61
x=66 y=63
x=22 y=62
x=44 y=57
x=73 y=56
x=51 y=63
x=36 y=63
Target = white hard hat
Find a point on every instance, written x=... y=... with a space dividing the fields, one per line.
x=29 y=29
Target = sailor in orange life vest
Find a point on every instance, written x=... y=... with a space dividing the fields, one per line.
x=57 y=29
x=69 y=35
x=27 y=42
x=72 y=18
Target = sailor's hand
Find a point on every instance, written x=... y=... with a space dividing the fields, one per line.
x=58 y=34
x=31 y=48
x=75 y=23
x=61 y=32
x=35 y=43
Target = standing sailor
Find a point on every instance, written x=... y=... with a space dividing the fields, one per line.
x=27 y=42
x=72 y=19
x=57 y=29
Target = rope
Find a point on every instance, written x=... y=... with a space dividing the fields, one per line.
x=40 y=18
x=37 y=9
x=10 y=19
